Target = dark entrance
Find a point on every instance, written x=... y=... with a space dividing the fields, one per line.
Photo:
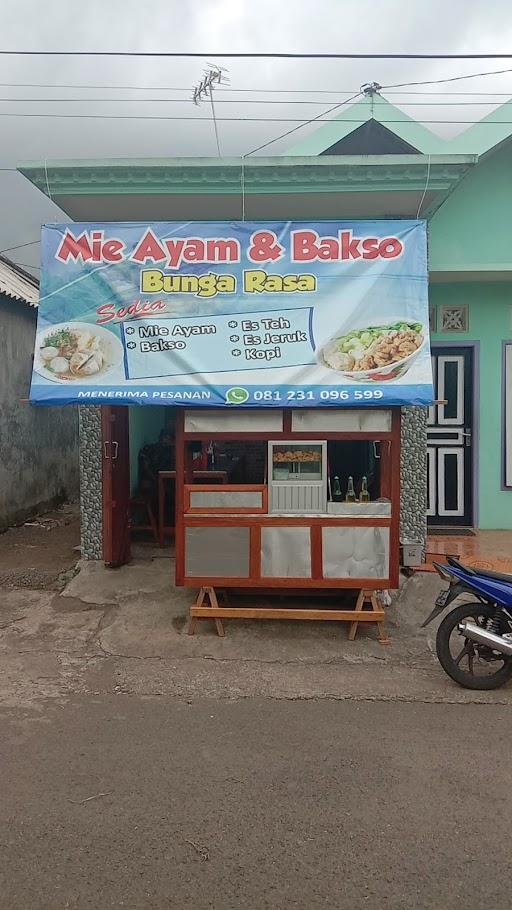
x=450 y=439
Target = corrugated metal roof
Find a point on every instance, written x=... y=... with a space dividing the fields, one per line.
x=16 y=283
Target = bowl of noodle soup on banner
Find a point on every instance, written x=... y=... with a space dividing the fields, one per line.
x=76 y=352
x=375 y=353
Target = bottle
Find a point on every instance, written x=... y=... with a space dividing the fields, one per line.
x=364 y=495
x=351 y=495
x=336 y=490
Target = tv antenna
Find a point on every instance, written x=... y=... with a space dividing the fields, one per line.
x=212 y=78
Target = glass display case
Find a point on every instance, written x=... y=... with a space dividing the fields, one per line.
x=297 y=476
x=297 y=461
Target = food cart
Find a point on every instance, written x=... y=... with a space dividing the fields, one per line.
x=287 y=533
x=287 y=349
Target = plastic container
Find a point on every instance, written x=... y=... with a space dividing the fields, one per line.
x=412 y=552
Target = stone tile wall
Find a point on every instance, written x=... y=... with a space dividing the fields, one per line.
x=413 y=475
x=90 y=482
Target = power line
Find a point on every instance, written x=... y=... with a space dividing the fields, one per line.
x=266 y=91
x=20 y=246
x=450 y=94
x=306 y=123
x=170 y=88
x=167 y=88
x=255 y=55
x=320 y=119
x=238 y=101
x=448 y=79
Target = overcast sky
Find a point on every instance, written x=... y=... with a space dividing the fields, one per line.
x=392 y=26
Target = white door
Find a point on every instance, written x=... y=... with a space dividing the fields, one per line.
x=449 y=439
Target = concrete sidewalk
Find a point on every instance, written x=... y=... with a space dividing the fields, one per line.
x=147 y=616
x=124 y=631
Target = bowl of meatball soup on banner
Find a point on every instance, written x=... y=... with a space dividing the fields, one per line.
x=375 y=353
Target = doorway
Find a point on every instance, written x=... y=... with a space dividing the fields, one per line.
x=450 y=442
x=138 y=447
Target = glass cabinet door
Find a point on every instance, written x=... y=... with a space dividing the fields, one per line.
x=297 y=461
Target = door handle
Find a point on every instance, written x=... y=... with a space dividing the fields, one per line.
x=376 y=453
x=105 y=449
x=115 y=450
x=467 y=437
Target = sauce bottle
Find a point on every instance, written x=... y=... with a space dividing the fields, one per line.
x=336 y=490
x=351 y=494
x=364 y=495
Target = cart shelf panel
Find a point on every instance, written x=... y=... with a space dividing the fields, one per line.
x=265 y=551
x=347 y=420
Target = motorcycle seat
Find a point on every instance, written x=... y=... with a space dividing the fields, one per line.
x=498 y=576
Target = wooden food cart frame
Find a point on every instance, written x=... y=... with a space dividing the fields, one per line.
x=257 y=518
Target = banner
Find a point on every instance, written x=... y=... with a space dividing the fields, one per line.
x=273 y=314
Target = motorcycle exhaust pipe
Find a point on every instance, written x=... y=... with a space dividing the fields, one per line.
x=475 y=633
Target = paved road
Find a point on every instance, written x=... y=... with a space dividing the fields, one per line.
x=254 y=804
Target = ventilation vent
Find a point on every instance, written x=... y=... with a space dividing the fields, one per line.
x=454 y=318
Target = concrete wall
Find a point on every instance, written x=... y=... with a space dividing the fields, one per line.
x=38 y=446
x=471 y=231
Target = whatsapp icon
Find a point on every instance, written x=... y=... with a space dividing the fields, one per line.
x=237 y=395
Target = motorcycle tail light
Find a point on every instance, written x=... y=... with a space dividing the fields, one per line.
x=444 y=572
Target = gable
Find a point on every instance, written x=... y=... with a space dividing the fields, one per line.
x=383 y=118
x=371 y=138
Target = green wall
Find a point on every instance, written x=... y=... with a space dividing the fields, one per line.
x=490 y=323
x=472 y=229
x=145 y=426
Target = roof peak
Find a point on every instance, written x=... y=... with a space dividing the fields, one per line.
x=479 y=138
x=372 y=106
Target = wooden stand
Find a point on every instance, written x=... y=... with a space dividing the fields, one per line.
x=206 y=593
x=375 y=614
x=207 y=607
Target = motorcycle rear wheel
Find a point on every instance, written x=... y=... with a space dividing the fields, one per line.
x=469 y=651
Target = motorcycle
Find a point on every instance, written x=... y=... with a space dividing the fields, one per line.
x=474 y=641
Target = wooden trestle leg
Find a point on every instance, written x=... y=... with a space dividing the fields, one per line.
x=206 y=597
x=368 y=597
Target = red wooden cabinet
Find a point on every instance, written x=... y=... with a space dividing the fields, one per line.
x=116 y=485
x=228 y=543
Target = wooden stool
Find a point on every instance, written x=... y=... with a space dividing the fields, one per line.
x=369 y=597
x=141 y=502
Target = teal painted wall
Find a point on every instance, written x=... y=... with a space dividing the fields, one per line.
x=490 y=323
x=472 y=229
x=145 y=425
